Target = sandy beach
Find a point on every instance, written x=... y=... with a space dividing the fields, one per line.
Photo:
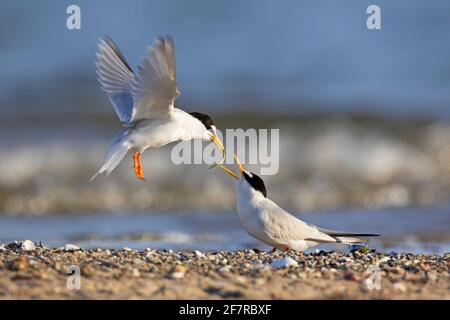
x=35 y=272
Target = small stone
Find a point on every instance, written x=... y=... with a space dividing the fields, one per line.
x=260 y=281
x=20 y=264
x=199 y=254
x=241 y=280
x=108 y=252
x=138 y=261
x=180 y=268
x=224 y=269
x=87 y=270
x=177 y=275
x=398 y=286
x=13 y=245
x=136 y=273
x=284 y=263
x=259 y=266
x=302 y=275
x=71 y=247
x=127 y=249
x=432 y=276
x=353 y=276
x=28 y=245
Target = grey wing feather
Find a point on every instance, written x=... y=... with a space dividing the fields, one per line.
x=284 y=226
x=155 y=87
x=116 y=78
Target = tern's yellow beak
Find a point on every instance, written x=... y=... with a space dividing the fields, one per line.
x=215 y=139
x=239 y=164
x=241 y=167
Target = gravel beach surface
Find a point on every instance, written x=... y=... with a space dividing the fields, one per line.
x=30 y=271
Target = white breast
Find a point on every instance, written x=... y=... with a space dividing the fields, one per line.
x=252 y=215
x=159 y=132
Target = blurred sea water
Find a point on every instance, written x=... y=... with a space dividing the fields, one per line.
x=415 y=230
x=325 y=162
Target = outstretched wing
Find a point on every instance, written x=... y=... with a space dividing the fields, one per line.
x=116 y=78
x=150 y=93
x=155 y=87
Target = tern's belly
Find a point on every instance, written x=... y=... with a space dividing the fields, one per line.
x=153 y=136
x=256 y=230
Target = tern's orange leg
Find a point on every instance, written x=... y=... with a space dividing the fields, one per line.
x=273 y=250
x=137 y=165
x=286 y=250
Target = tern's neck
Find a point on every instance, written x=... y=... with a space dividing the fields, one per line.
x=247 y=197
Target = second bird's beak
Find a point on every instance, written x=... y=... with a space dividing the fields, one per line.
x=215 y=139
x=231 y=173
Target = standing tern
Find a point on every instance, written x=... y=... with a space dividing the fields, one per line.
x=264 y=220
x=144 y=103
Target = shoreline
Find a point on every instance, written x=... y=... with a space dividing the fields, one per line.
x=34 y=272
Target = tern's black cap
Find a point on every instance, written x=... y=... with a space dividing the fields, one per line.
x=256 y=182
x=204 y=118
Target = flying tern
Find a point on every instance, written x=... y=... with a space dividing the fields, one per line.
x=144 y=103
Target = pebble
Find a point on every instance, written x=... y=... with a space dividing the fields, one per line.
x=199 y=254
x=127 y=249
x=28 y=245
x=20 y=264
x=398 y=286
x=71 y=247
x=224 y=269
x=180 y=268
x=138 y=261
x=258 y=272
x=284 y=263
x=136 y=273
x=432 y=276
x=177 y=275
x=13 y=245
x=384 y=259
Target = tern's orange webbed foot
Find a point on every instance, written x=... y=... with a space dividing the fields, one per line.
x=286 y=250
x=137 y=167
x=273 y=250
